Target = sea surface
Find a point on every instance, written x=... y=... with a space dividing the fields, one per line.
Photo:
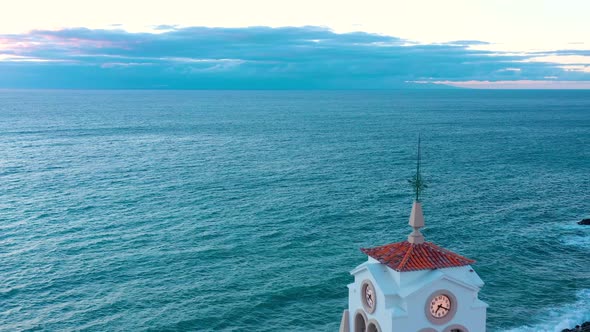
x=245 y=210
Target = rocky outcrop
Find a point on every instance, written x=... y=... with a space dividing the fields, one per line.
x=579 y=328
x=584 y=222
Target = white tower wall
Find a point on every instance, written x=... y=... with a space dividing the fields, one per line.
x=402 y=297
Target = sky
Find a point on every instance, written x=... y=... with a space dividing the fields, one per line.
x=295 y=44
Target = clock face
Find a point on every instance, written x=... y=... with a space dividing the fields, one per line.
x=440 y=306
x=369 y=296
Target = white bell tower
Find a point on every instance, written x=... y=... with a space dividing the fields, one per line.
x=414 y=286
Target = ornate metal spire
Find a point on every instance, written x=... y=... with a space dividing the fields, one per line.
x=416 y=217
x=417 y=182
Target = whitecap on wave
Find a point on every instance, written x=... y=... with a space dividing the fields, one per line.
x=577 y=240
x=572 y=234
x=557 y=319
x=576 y=235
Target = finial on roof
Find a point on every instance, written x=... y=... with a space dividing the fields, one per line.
x=416 y=217
x=417 y=222
x=417 y=182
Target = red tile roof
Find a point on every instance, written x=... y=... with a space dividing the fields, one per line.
x=405 y=256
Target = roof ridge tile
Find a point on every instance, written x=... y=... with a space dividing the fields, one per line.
x=404 y=256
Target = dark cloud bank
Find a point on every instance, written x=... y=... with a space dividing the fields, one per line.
x=250 y=58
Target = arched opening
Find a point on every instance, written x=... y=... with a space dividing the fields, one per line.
x=359 y=323
x=372 y=328
x=456 y=328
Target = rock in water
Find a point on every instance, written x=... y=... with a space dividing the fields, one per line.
x=584 y=222
x=579 y=328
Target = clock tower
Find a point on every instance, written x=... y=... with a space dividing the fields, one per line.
x=414 y=286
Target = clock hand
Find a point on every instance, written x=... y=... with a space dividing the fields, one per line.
x=438 y=308
x=444 y=307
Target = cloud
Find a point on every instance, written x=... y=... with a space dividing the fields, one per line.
x=579 y=68
x=569 y=59
x=519 y=84
x=21 y=58
x=258 y=58
x=467 y=43
x=511 y=69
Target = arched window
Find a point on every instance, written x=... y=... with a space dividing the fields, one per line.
x=360 y=325
x=456 y=328
x=373 y=327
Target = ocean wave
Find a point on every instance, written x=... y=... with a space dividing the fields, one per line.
x=568 y=316
x=576 y=235
x=577 y=240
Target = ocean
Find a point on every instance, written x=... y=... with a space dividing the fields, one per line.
x=245 y=210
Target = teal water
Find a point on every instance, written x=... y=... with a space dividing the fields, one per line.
x=244 y=211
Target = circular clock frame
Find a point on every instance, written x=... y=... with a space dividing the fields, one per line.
x=452 y=309
x=367 y=285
